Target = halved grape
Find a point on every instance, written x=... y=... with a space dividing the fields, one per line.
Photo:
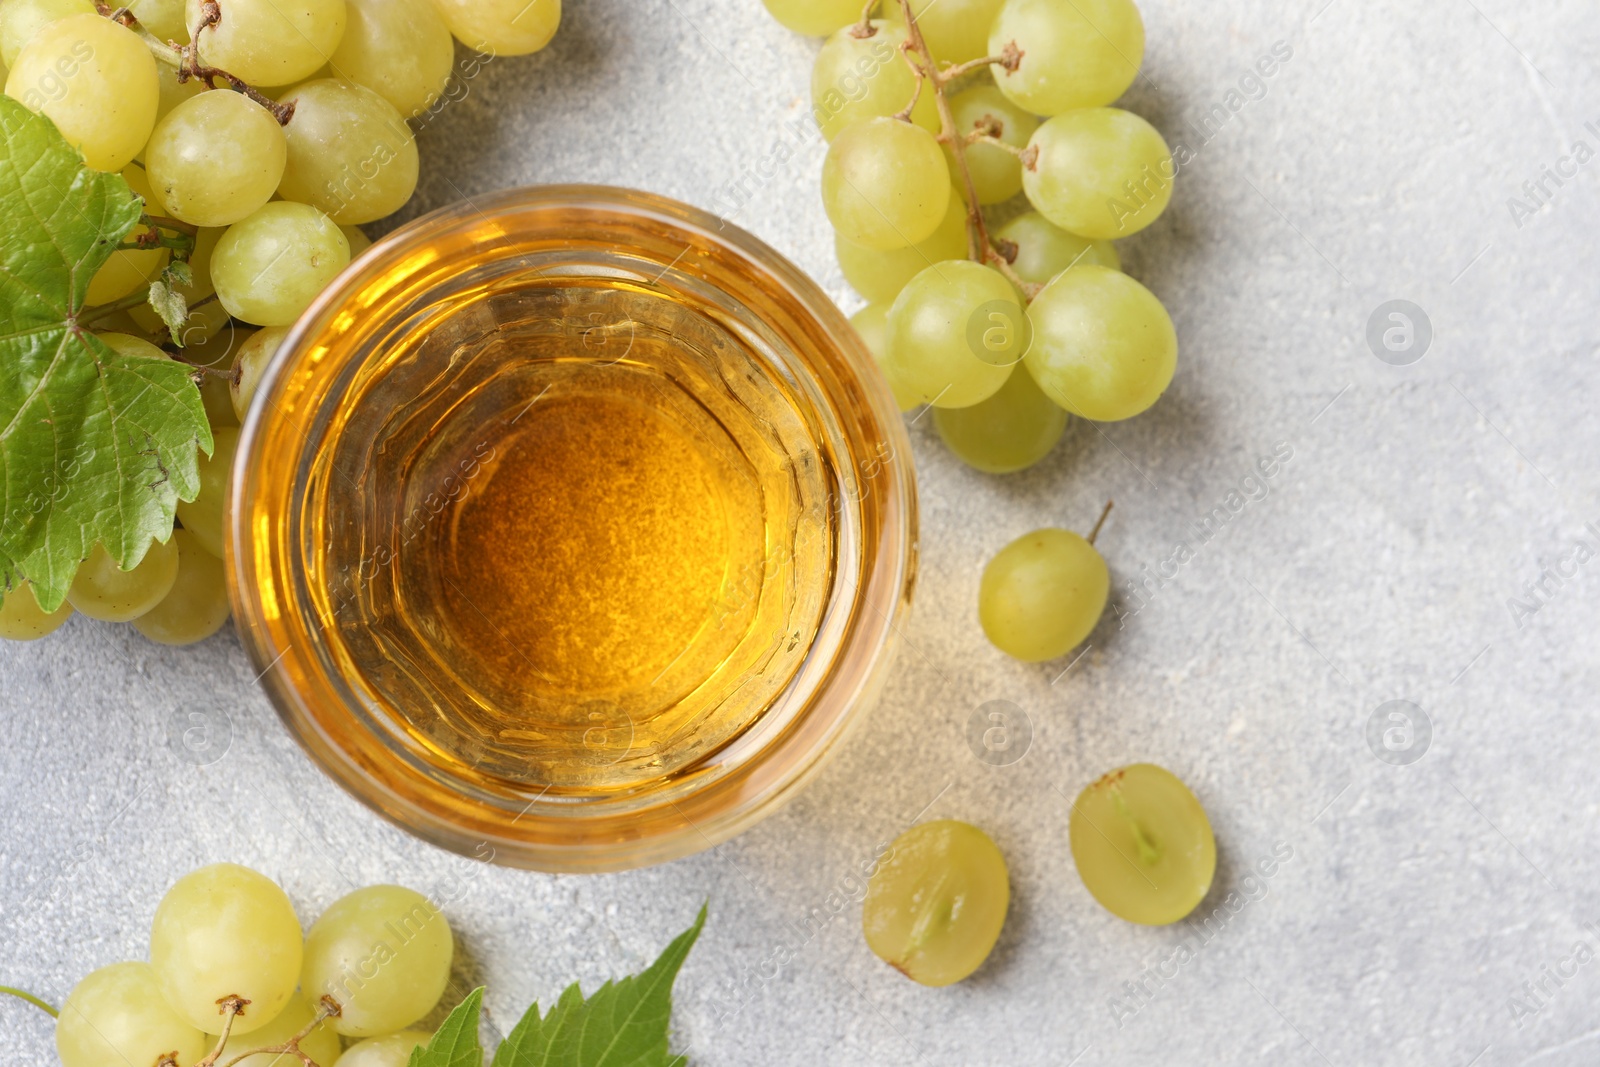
x=390 y=925
x=21 y=617
x=21 y=19
x=815 y=18
x=1010 y=431
x=400 y=49
x=206 y=515
x=1075 y=53
x=216 y=158
x=885 y=184
x=254 y=358
x=269 y=267
x=879 y=276
x=224 y=931
x=1143 y=845
x=996 y=173
x=117 y=1015
x=1101 y=172
x=1042 y=594
x=196 y=606
x=102 y=590
x=872 y=323
x=351 y=154
x=267 y=42
x=857 y=78
x=502 y=27
x=1045 y=249
x=956 y=30
x=1103 y=346
x=935 y=906
x=955 y=332
x=391 y=1051
x=321 y=1044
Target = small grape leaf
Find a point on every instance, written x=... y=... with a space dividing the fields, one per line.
x=94 y=445
x=168 y=302
x=455 y=1043
x=622 y=1024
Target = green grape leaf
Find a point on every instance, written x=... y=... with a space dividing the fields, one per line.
x=94 y=445
x=169 y=303
x=622 y=1024
x=455 y=1043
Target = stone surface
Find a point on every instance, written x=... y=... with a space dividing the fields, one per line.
x=1377 y=564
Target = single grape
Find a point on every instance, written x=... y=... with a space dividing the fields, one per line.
x=815 y=18
x=254 y=358
x=879 y=276
x=269 y=267
x=21 y=617
x=1042 y=594
x=1143 y=845
x=1010 y=431
x=351 y=155
x=1101 y=172
x=391 y=1051
x=858 y=78
x=267 y=42
x=223 y=931
x=383 y=953
x=216 y=158
x=321 y=1044
x=956 y=30
x=502 y=27
x=1103 y=346
x=359 y=241
x=96 y=81
x=127 y=269
x=885 y=184
x=400 y=49
x=996 y=173
x=117 y=1016
x=936 y=903
x=1075 y=53
x=206 y=515
x=163 y=18
x=872 y=323
x=103 y=590
x=21 y=19
x=955 y=332
x=1045 y=249
x=197 y=606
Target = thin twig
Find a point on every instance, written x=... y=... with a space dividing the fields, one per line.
x=1001 y=263
x=904 y=114
x=327 y=1008
x=979 y=137
x=22 y=994
x=1096 y=531
x=864 y=29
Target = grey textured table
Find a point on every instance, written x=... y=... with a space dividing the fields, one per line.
x=1376 y=564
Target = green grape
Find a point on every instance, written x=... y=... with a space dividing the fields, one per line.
x=383 y=953
x=857 y=78
x=1103 y=346
x=1042 y=595
x=321 y=1044
x=1075 y=53
x=197 y=606
x=956 y=30
x=1143 y=845
x=885 y=184
x=224 y=931
x=116 y=1016
x=359 y=241
x=269 y=267
x=216 y=158
x=502 y=27
x=815 y=18
x=254 y=358
x=21 y=19
x=96 y=81
x=102 y=590
x=872 y=323
x=172 y=92
x=936 y=903
x=267 y=42
x=955 y=331
x=1045 y=249
x=21 y=617
x=1101 y=172
x=127 y=269
x=164 y=18
x=391 y=1051
x=351 y=155
x=217 y=353
x=206 y=515
x=879 y=276
x=996 y=173
x=1012 y=430
x=400 y=49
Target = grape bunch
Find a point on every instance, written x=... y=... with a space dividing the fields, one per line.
x=259 y=136
x=939 y=115
x=230 y=973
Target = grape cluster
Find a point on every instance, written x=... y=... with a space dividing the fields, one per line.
x=259 y=136
x=939 y=113
x=230 y=973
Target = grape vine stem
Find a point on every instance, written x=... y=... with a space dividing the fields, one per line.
x=23 y=994
x=1104 y=514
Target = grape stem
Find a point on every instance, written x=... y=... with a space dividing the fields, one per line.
x=327 y=1008
x=22 y=994
x=864 y=29
x=1101 y=522
x=185 y=58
